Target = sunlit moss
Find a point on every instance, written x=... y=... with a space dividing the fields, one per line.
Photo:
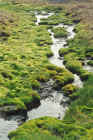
x=90 y=62
x=60 y=32
x=24 y=65
x=69 y=89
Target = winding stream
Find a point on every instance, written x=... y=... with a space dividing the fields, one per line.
x=51 y=105
x=50 y=99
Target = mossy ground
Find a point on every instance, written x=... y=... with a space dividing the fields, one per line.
x=76 y=125
x=24 y=52
x=59 y=32
x=50 y=127
x=24 y=64
x=58 y=17
x=90 y=62
x=23 y=56
x=69 y=89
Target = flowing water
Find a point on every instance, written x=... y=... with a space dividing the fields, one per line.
x=8 y=124
x=51 y=105
x=88 y=67
x=5 y=127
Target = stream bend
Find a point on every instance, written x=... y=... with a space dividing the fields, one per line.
x=51 y=105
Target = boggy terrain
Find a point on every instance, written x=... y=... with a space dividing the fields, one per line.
x=24 y=58
x=24 y=65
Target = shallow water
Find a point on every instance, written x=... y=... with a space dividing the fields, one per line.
x=59 y=43
x=88 y=67
x=41 y=16
x=77 y=82
x=5 y=127
x=9 y=124
x=50 y=106
x=55 y=103
x=55 y=47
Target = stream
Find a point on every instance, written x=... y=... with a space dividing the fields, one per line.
x=51 y=104
x=50 y=99
x=8 y=124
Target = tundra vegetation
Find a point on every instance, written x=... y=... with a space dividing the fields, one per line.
x=24 y=52
x=59 y=32
x=24 y=65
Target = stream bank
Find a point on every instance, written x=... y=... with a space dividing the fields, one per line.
x=50 y=105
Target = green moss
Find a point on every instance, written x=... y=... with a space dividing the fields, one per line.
x=43 y=37
x=80 y=111
x=63 y=51
x=24 y=48
x=84 y=74
x=35 y=84
x=64 y=77
x=90 y=63
x=49 y=54
x=59 y=32
x=69 y=89
x=74 y=65
x=21 y=101
x=54 y=67
x=38 y=136
x=47 y=126
x=58 y=17
x=23 y=57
